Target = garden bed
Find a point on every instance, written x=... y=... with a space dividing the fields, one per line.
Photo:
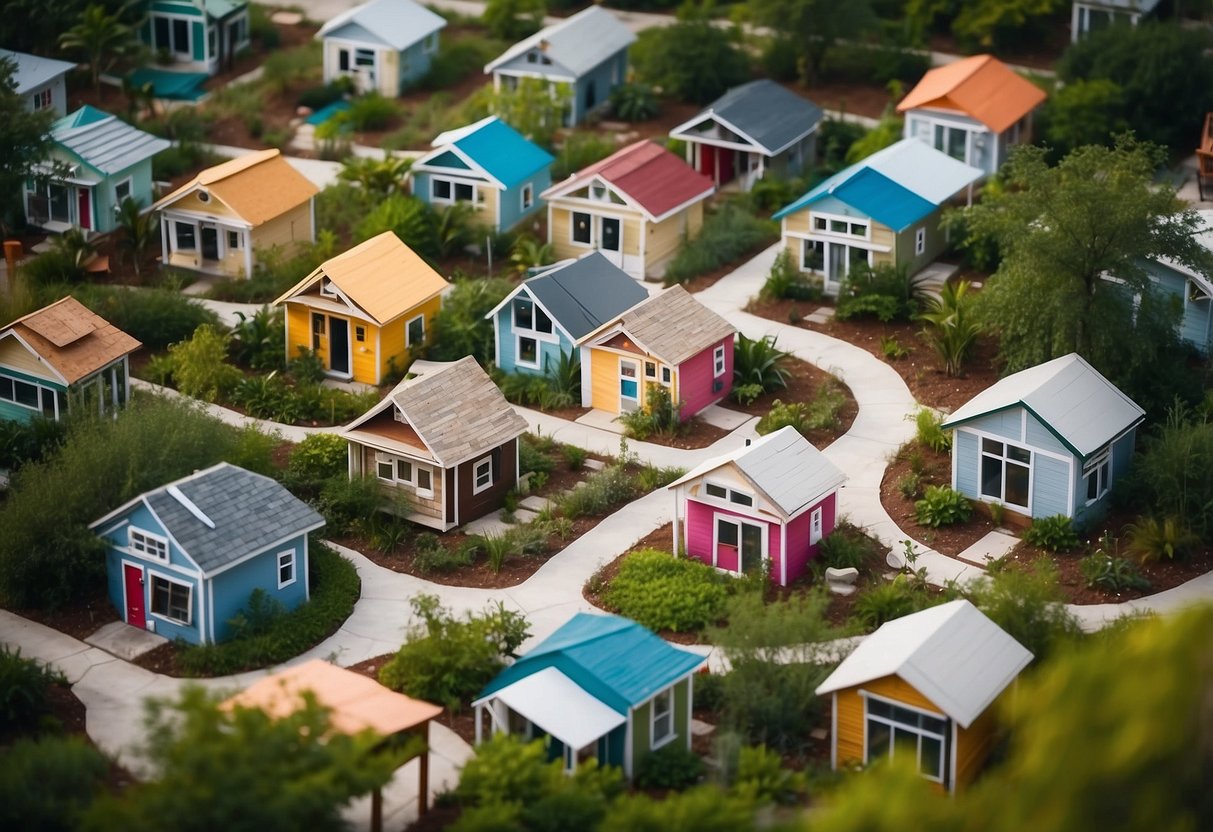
x=80 y=619
x=805 y=382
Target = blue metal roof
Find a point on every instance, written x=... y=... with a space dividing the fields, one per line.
x=503 y=152
x=872 y=193
x=617 y=661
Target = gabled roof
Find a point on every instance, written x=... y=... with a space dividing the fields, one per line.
x=395 y=23
x=770 y=115
x=224 y=515
x=582 y=295
x=258 y=186
x=382 y=276
x=494 y=147
x=982 y=87
x=455 y=409
x=896 y=186
x=617 y=661
x=1205 y=238
x=72 y=339
x=220 y=9
x=951 y=654
x=650 y=177
x=578 y=43
x=104 y=141
x=34 y=70
x=1070 y=397
x=782 y=465
x=671 y=326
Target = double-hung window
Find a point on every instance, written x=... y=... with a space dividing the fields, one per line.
x=718 y=361
x=286 y=568
x=482 y=475
x=894 y=731
x=414 y=333
x=42 y=99
x=663 y=718
x=19 y=392
x=920 y=242
x=171 y=600
x=1006 y=472
x=1096 y=474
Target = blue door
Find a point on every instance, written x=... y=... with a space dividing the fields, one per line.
x=629 y=385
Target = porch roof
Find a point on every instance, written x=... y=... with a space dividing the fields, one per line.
x=560 y=707
x=75 y=341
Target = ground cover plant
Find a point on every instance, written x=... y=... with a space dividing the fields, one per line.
x=728 y=233
x=663 y=592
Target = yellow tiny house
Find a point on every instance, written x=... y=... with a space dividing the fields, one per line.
x=364 y=310
x=925 y=685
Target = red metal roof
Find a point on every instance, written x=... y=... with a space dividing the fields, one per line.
x=649 y=175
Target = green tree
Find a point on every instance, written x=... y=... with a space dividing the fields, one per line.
x=984 y=23
x=45 y=785
x=378 y=176
x=813 y=27
x=1083 y=112
x=459 y=327
x=408 y=217
x=513 y=19
x=240 y=769
x=1062 y=230
x=102 y=38
x=887 y=132
x=24 y=142
x=692 y=59
x=140 y=232
x=533 y=108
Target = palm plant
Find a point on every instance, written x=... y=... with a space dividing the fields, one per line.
x=757 y=362
x=528 y=253
x=951 y=328
x=378 y=176
x=634 y=102
x=101 y=37
x=139 y=232
x=564 y=380
x=452 y=229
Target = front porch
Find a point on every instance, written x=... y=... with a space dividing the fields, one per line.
x=206 y=244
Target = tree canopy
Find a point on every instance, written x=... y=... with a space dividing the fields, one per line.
x=692 y=59
x=24 y=141
x=813 y=27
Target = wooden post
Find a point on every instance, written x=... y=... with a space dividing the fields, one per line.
x=377 y=810
x=423 y=775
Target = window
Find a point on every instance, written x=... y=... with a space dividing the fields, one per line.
x=465 y=192
x=650 y=370
x=286 y=568
x=815 y=526
x=160 y=33
x=856 y=257
x=718 y=361
x=524 y=314
x=360 y=334
x=440 y=190
x=181 y=37
x=171 y=600
x=186 y=240
x=732 y=495
x=203 y=196
x=415 y=331
x=397 y=471
x=714 y=490
x=581 y=228
x=741 y=498
x=364 y=57
x=813 y=256
x=920 y=241
x=528 y=196
x=1006 y=472
x=727 y=532
x=667 y=375
x=19 y=392
x=819 y=223
x=343 y=60
x=663 y=718
x=425 y=482
x=146 y=543
x=384 y=468
x=859 y=229
x=951 y=140
x=318 y=324
x=122 y=192
x=431 y=43
x=233 y=239
x=528 y=351
x=838 y=226
x=1196 y=293
x=210 y=42
x=42 y=100
x=1096 y=476
x=404 y=470
x=893 y=730
x=482 y=475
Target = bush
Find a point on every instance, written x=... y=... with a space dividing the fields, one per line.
x=660 y=416
x=266 y=635
x=758 y=362
x=533 y=458
x=317 y=458
x=24 y=687
x=578 y=151
x=432 y=556
x=876 y=65
x=1111 y=573
x=317 y=98
x=950 y=326
x=761 y=778
x=603 y=491
x=887 y=601
x=929 y=433
x=727 y=234
x=1028 y=604
x=344 y=502
x=1056 y=533
x=447 y=659
x=942 y=506
x=820 y=414
x=32 y=441
x=156 y=317
x=200 y=367
x=634 y=102
x=456 y=61
x=460 y=327
x=846 y=547
x=574 y=455
x=662 y=592
x=371 y=112
x=45 y=785
x=1175 y=471
x=1151 y=539
x=673 y=766
x=886 y=292
x=414 y=222
x=692 y=59
x=786 y=282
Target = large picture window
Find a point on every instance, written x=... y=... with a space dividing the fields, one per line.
x=171 y=600
x=1006 y=472
x=19 y=392
x=894 y=731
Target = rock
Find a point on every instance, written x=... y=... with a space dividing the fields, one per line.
x=846 y=576
x=840 y=589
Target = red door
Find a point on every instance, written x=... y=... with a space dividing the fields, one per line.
x=86 y=214
x=134 y=597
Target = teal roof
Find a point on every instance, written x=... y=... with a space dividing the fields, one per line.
x=222 y=8
x=617 y=661
x=503 y=152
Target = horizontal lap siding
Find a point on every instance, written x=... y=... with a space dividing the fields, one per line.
x=505 y=478
x=965 y=447
x=365 y=363
x=701 y=535
x=696 y=379
x=233 y=588
x=406 y=495
x=604 y=367
x=298 y=329
x=1038 y=436
x=851 y=737
x=560 y=235
x=1122 y=454
x=289 y=232
x=800 y=552
x=1007 y=424
x=1050 y=486
x=973 y=746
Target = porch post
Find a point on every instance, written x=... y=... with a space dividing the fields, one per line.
x=114 y=387
x=126 y=379
x=163 y=240
x=676 y=524
x=423 y=775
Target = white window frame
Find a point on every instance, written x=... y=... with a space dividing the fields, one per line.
x=730 y=496
x=718 y=362
x=39 y=392
x=982 y=453
x=667 y=714
x=920 y=242
x=152 y=577
x=431 y=43
x=130 y=191
x=286 y=558
x=408 y=331
x=527 y=335
x=850 y=222
x=43 y=99
x=816 y=523
x=1100 y=467
x=893 y=725
x=434 y=197
x=151 y=545
x=476 y=475
x=416 y=469
x=527 y=196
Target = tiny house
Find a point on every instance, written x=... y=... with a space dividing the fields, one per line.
x=197 y=35
x=385 y=46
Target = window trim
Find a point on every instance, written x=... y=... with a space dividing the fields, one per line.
x=408 y=331
x=718 y=361
x=141 y=549
x=43 y=99
x=415 y=470
x=1099 y=466
x=920 y=241
x=945 y=749
x=152 y=577
x=573 y=228
x=477 y=488
x=526 y=197
x=130 y=191
x=982 y=453
x=291 y=554
x=730 y=496
x=519 y=337
x=828 y=218
x=654 y=741
x=38 y=392
x=816 y=525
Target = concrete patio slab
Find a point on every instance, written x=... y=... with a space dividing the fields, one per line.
x=993 y=547
x=124 y=641
x=722 y=417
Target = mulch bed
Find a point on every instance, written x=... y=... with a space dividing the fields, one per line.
x=80 y=619
x=804 y=383
x=936 y=470
x=692 y=434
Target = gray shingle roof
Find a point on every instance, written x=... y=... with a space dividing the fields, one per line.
x=395 y=23
x=249 y=512
x=673 y=326
x=585 y=294
x=767 y=112
x=105 y=141
x=457 y=411
x=578 y=43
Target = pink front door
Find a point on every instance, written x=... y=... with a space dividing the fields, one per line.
x=133 y=576
x=86 y=214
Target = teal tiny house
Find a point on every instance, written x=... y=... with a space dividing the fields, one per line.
x=599 y=688
x=184 y=559
x=197 y=35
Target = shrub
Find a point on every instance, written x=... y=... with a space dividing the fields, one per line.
x=727 y=234
x=663 y=592
x=634 y=102
x=1175 y=470
x=603 y=491
x=910 y=485
x=1151 y=539
x=786 y=282
x=692 y=59
x=950 y=326
x=345 y=501
x=1056 y=533
x=673 y=766
x=574 y=455
x=24 y=687
x=746 y=394
x=456 y=61
x=432 y=556
x=929 y=433
x=1111 y=573
x=258 y=339
x=660 y=416
x=578 y=151
x=270 y=637
x=157 y=317
x=892 y=348
x=820 y=414
x=761 y=778
x=758 y=362
x=1027 y=603
x=371 y=112
x=886 y=292
x=316 y=458
x=317 y=98
x=846 y=547
x=942 y=506
x=408 y=217
x=45 y=785
x=200 y=367
x=532 y=458
x=460 y=327
x=887 y=601
x=32 y=441
x=514 y=542
x=447 y=659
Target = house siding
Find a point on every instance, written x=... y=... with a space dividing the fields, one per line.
x=665 y=237
x=1038 y=436
x=973 y=747
x=642 y=742
x=604 y=391
x=512 y=212
x=1196 y=317
x=701 y=536
x=920 y=123
x=851 y=737
x=697 y=379
x=289 y=231
x=631 y=226
x=233 y=588
x=505 y=479
x=403 y=499
x=965 y=448
x=58 y=88
x=800 y=551
x=1050 y=486
x=13 y=412
x=936 y=243
x=507 y=345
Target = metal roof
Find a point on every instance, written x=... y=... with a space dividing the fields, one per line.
x=395 y=23
x=225 y=514
x=104 y=141
x=782 y=465
x=556 y=704
x=578 y=43
x=614 y=660
x=583 y=295
x=673 y=326
x=896 y=186
x=220 y=9
x=982 y=87
x=498 y=149
x=34 y=70
x=1070 y=397
x=763 y=111
x=951 y=654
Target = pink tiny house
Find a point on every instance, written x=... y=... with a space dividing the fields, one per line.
x=769 y=503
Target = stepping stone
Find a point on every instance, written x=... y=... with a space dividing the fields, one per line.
x=699 y=728
x=490 y=524
x=819 y=734
x=593 y=465
x=846 y=576
x=993 y=547
x=825 y=311
x=535 y=503
x=524 y=515
x=722 y=417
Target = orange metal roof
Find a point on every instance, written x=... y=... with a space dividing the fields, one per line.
x=382 y=276
x=257 y=186
x=72 y=339
x=355 y=702
x=982 y=87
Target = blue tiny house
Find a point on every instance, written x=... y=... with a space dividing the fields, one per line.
x=1048 y=440
x=384 y=46
x=184 y=559
x=1191 y=289
x=197 y=35
x=489 y=166
x=549 y=314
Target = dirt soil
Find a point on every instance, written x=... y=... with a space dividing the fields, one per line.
x=936 y=469
x=80 y=619
x=804 y=383
x=848 y=97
